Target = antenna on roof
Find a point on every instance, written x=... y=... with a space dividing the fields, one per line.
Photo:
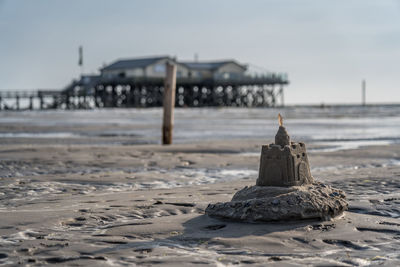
x=363 y=92
x=196 y=57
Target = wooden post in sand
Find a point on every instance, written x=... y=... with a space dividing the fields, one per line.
x=169 y=103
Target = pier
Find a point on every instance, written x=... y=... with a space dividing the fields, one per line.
x=139 y=83
x=31 y=99
x=96 y=92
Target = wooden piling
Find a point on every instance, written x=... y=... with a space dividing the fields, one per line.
x=282 y=96
x=114 y=98
x=169 y=103
x=41 y=101
x=67 y=101
x=30 y=102
x=17 y=102
x=55 y=102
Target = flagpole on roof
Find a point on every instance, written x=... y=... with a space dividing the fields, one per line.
x=80 y=61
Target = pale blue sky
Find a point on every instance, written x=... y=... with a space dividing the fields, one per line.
x=326 y=47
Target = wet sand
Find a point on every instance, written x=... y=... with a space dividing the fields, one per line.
x=106 y=204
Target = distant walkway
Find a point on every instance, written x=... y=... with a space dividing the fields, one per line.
x=99 y=92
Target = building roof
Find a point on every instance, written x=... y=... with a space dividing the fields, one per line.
x=211 y=65
x=133 y=63
x=146 y=61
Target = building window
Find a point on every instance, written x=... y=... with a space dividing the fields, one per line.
x=159 y=68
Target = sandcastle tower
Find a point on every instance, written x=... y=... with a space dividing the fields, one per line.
x=284 y=190
x=284 y=163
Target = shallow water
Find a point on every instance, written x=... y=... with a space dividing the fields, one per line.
x=337 y=127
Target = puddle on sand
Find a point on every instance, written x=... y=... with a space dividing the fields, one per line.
x=346 y=145
x=384 y=164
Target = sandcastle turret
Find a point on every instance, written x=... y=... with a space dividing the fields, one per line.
x=284 y=163
x=282 y=138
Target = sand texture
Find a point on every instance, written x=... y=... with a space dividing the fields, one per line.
x=101 y=205
x=271 y=203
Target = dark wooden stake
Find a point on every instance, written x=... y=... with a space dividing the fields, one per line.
x=169 y=103
x=282 y=96
x=17 y=101
x=31 y=102
x=41 y=100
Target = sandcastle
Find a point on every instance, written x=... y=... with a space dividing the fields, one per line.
x=285 y=188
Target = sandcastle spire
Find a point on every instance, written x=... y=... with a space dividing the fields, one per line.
x=282 y=138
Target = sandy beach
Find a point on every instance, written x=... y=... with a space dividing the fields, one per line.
x=121 y=200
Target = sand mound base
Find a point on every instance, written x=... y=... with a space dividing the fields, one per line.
x=270 y=203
